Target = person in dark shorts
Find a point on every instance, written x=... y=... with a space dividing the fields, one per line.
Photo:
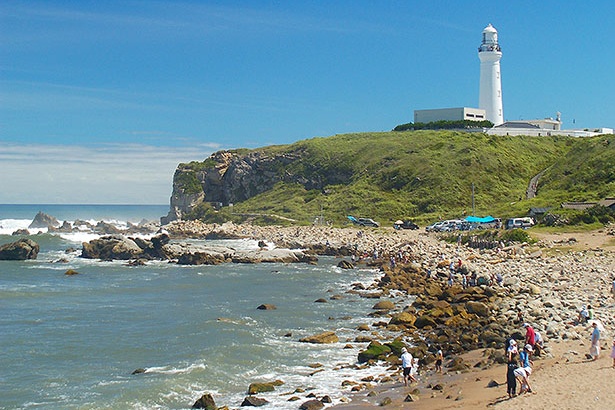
x=406 y=364
x=439 y=358
x=511 y=366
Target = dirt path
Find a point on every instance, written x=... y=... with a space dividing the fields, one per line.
x=598 y=239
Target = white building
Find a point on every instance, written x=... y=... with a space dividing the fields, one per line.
x=450 y=114
x=490 y=102
x=544 y=127
x=490 y=90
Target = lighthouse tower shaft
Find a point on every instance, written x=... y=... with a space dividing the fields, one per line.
x=490 y=90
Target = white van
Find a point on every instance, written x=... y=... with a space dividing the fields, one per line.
x=522 y=223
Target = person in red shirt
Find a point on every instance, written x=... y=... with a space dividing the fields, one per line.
x=530 y=335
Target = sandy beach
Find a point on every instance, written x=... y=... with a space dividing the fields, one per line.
x=564 y=380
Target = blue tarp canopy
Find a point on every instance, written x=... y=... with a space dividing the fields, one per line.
x=479 y=219
x=352 y=219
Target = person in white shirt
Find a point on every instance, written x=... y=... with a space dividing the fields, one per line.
x=406 y=364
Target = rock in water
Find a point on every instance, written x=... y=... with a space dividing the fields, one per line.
x=20 y=250
x=322 y=338
x=111 y=248
x=42 y=220
x=267 y=306
x=312 y=405
x=205 y=402
x=253 y=401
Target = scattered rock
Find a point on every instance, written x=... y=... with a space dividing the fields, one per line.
x=256 y=388
x=384 y=305
x=253 y=402
x=205 y=402
x=386 y=401
x=344 y=264
x=411 y=398
x=267 y=306
x=311 y=405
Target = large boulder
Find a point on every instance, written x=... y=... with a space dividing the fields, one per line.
x=374 y=351
x=42 y=220
x=111 y=248
x=403 y=318
x=478 y=308
x=20 y=250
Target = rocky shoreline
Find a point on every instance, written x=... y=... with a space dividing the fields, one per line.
x=541 y=285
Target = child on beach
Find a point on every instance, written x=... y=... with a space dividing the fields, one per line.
x=613 y=353
x=414 y=370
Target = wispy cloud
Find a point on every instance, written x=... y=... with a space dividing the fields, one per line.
x=134 y=19
x=113 y=173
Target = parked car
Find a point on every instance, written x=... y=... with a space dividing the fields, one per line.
x=434 y=227
x=450 y=225
x=405 y=225
x=522 y=223
x=367 y=222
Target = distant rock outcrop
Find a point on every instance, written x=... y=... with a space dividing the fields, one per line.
x=229 y=176
x=119 y=247
x=42 y=220
x=20 y=250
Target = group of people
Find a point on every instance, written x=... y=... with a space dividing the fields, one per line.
x=471 y=278
x=519 y=362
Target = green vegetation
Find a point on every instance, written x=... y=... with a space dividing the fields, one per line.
x=490 y=235
x=189 y=183
x=444 y=125
x=426 y=176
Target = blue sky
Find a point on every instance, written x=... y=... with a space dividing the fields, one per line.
x=100 y=100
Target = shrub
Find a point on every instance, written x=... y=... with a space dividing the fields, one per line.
x=516 y=235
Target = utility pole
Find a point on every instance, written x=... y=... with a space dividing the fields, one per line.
x=473 y=213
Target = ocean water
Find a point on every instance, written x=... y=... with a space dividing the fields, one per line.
x=72 y=342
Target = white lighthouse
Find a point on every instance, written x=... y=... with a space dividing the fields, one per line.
x=490 y=91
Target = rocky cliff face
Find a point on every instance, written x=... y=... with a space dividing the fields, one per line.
x=229 y=177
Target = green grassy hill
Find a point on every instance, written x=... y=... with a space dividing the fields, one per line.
x=427 y=175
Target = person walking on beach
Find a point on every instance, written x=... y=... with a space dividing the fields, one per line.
x=406 y=364
x=594 y=350
x=439 y=359
x=511 y=360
